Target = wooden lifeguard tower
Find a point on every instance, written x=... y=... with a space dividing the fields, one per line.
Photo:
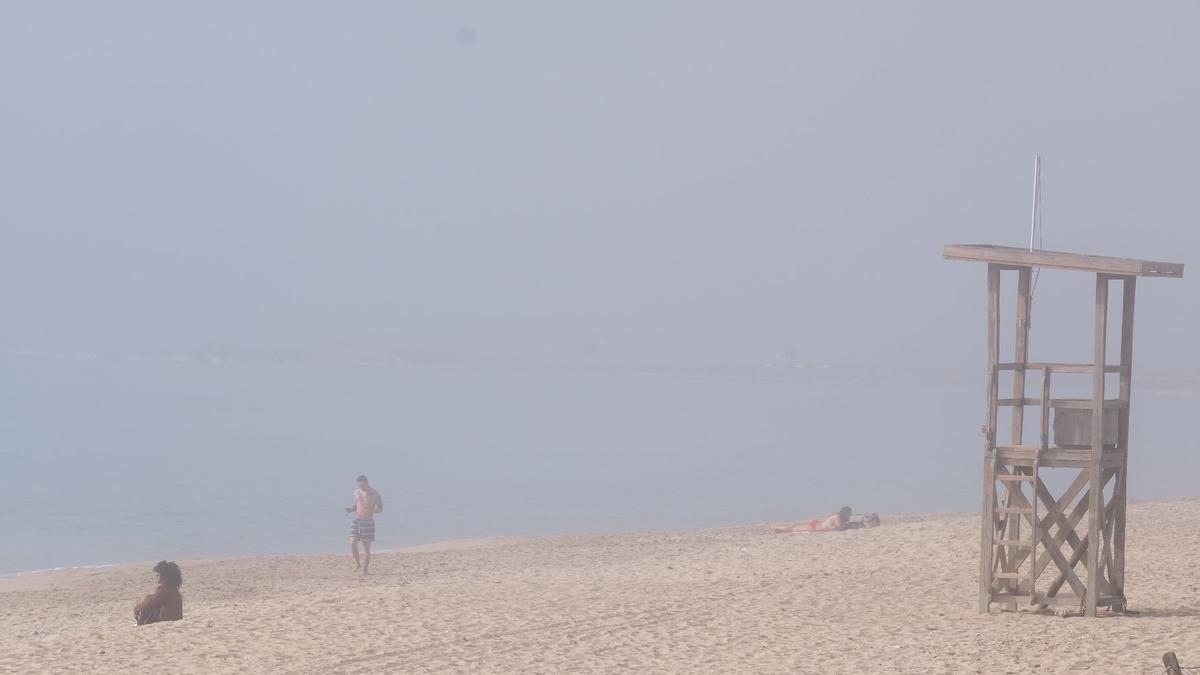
x=1024 y=531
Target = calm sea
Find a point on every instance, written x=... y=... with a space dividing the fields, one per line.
x=115 y=460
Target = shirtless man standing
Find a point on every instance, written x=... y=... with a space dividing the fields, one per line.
x=367 y=502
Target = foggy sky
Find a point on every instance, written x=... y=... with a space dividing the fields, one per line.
x=703 y=182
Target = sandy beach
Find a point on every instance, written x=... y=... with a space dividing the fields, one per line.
x=897 y=599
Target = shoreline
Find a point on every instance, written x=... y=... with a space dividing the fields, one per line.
x=899 y=598
x=59 y=573
x=463 y=543
x=467 y=543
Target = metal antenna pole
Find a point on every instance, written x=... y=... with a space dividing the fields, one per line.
x=1037 y=189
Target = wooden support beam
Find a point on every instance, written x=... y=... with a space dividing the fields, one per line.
x=1085 y=403
x=1106 y=554
x=1096 y=495
x=1051 y=546
x=1055 y=457
x=1068 y=536
x=1120 y=494
x=1171 y=663
x=1012 y=257
x=1038 y=486
x=988 y=519
x=1056 y=508
x=1044 y=444
x=1083 y=368
x=1021 y=354
x=1066 y=523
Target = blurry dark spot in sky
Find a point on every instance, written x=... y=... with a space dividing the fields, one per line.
x=465 y=37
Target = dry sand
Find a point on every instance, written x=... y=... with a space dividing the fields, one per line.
x=897 y=599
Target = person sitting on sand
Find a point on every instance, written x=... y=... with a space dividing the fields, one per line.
x=165 y=604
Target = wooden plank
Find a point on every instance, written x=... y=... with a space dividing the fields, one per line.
x=988 y=517
x=1013 y=543
x=1050 y=546
x=1021 y=257
x=1010 y=532
x=1017 y=450
x=1020 y=356
x=1066 y=568
x=1068 y=453
x=1096 y=494
x=1054 y=457
x=1068 y=600
x=1120 y=494
x=1171 y=664
x=1057 y=600
x=1067 y=463
x=1038 y=486
x=1085 y=368
x=1065 y=535
x=1073 y=427
x=1066 y=531
x=1084 y=403
x=1018 y=402
x=1066 y=523
x=1106 y=554
x=1045 y=437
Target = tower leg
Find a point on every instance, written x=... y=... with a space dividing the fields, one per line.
x=987 y=539
x=1012 y=521
x=1096 y=493
x=1129 y=290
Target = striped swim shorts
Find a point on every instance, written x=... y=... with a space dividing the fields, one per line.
x=363 y=529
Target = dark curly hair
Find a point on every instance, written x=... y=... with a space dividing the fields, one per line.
x=169 y=574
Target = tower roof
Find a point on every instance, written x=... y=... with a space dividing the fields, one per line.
x=1021 y=257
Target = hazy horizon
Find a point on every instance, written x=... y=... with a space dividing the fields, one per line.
x=663 y=187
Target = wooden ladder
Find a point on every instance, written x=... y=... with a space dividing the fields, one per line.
x=1013 y=546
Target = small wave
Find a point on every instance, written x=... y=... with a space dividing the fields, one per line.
x=14 y=575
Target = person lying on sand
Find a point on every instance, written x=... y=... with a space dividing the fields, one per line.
x=837 y=521
x=165 y=604
x=864 y=520
x=842 y=520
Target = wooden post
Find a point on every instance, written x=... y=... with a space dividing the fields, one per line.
x=1044 y=445
x=1045 y=441
x=1117 y=574
x=1171 y=663
x=1096 y=492
x=988 y=515
x=1012 y=521
x=1021 y=355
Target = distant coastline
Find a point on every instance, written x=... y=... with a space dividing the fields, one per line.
x=778 y=369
